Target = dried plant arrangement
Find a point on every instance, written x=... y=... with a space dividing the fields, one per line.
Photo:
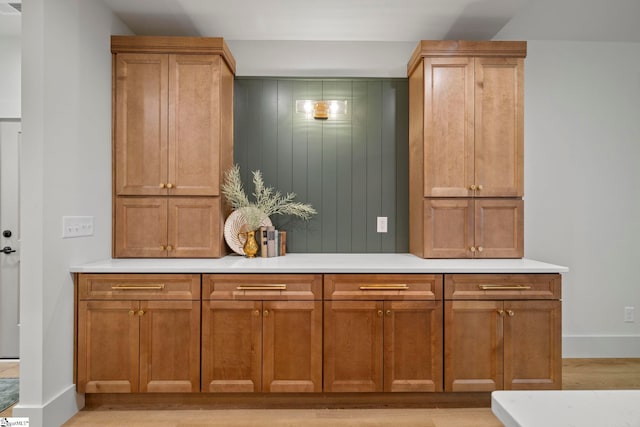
x=267 y=200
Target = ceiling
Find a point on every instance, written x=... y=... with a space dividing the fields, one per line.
x=374 y=20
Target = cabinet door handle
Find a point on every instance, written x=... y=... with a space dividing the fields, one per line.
x=500 y=312
x=379 y=313
x=162 y=185
x=472 y=248
x=273 y=287
x=256 y=313
x=266 y=313
x=388 y=312
x=169 y=185
x=472 y=187
x=155 y=287
x=131 y=312
x=140 y=312
x=479 y=187
x=510 y=313
x=480 y=249
x=504 y=287
x=385 y=287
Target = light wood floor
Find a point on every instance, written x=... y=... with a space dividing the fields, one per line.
x=578 y=374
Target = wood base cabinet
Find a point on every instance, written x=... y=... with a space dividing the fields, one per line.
x=502 y=332
x=262 y=333
x=382 y=333
x=138 y=333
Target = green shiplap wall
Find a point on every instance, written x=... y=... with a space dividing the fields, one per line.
x=351 y=170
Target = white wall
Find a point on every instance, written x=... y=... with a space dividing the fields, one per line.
x=10 y=77
x=582 y=181
x=66 y=170
x=321 y=59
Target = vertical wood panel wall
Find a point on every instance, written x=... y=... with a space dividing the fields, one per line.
x=351 y=170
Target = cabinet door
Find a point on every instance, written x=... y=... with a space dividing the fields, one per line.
x=194 y=227
x=413 y=346
x=448 y=127
x=499 y=133
x=473 y=346
x=448 y=228
x=353 y=346
x=532 y=345
x=499 y=228
x=194 y=124
x=141 y=97
x=141 y=227
x=292 y=346
x=231 y=346
x=108 y=353
x=169 y=346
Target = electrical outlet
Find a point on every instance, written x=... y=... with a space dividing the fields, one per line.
x=629 y=315
x=382 y=224
x=77 y=226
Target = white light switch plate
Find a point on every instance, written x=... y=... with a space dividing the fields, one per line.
x=382 y=224
x=77 y=226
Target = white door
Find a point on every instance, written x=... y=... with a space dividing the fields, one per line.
x=9 y=238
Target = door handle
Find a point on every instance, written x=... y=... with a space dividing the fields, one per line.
x=7 y=250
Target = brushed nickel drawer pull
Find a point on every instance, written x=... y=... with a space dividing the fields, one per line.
x=504 y=287
x=385 y=287
x=157 y=287
x=275 y=287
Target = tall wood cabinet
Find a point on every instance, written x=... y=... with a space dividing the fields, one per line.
x=466 y=141
x=172 y=143
x=502 y=332
x=138 y=333
x=262 y=333
x=382 y=333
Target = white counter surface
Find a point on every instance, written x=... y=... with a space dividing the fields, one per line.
x=319 y=263
x=567 y=408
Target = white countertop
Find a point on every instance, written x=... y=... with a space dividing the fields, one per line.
x=567 y=408
x=318 y=263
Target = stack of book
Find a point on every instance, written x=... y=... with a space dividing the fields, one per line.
x=272 y=242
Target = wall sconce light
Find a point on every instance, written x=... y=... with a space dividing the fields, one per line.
x=321 y=109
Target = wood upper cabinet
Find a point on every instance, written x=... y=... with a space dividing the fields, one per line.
x=502 y=332
x=159 y=227
x=173 y=135
x=383 y=333
x=138 y=333
x=466 y=140
x=472 y=124
x=262 y=333
x=473 y=228
x=173 y=121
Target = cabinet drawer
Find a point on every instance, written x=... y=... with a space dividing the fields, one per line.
x=383 y=286
x=262 y=287
x=139 y=286
x=502 y=286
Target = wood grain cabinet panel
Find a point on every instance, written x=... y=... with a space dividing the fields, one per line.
x=473 y=228
x=257 y=337
x=173 y=139
x=466 y=140
x=176 y=227
x=378 y=338
x=128 y=343
x=502 y=333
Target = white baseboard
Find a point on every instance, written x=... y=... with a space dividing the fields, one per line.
x=53 y=413
x=587 y=346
